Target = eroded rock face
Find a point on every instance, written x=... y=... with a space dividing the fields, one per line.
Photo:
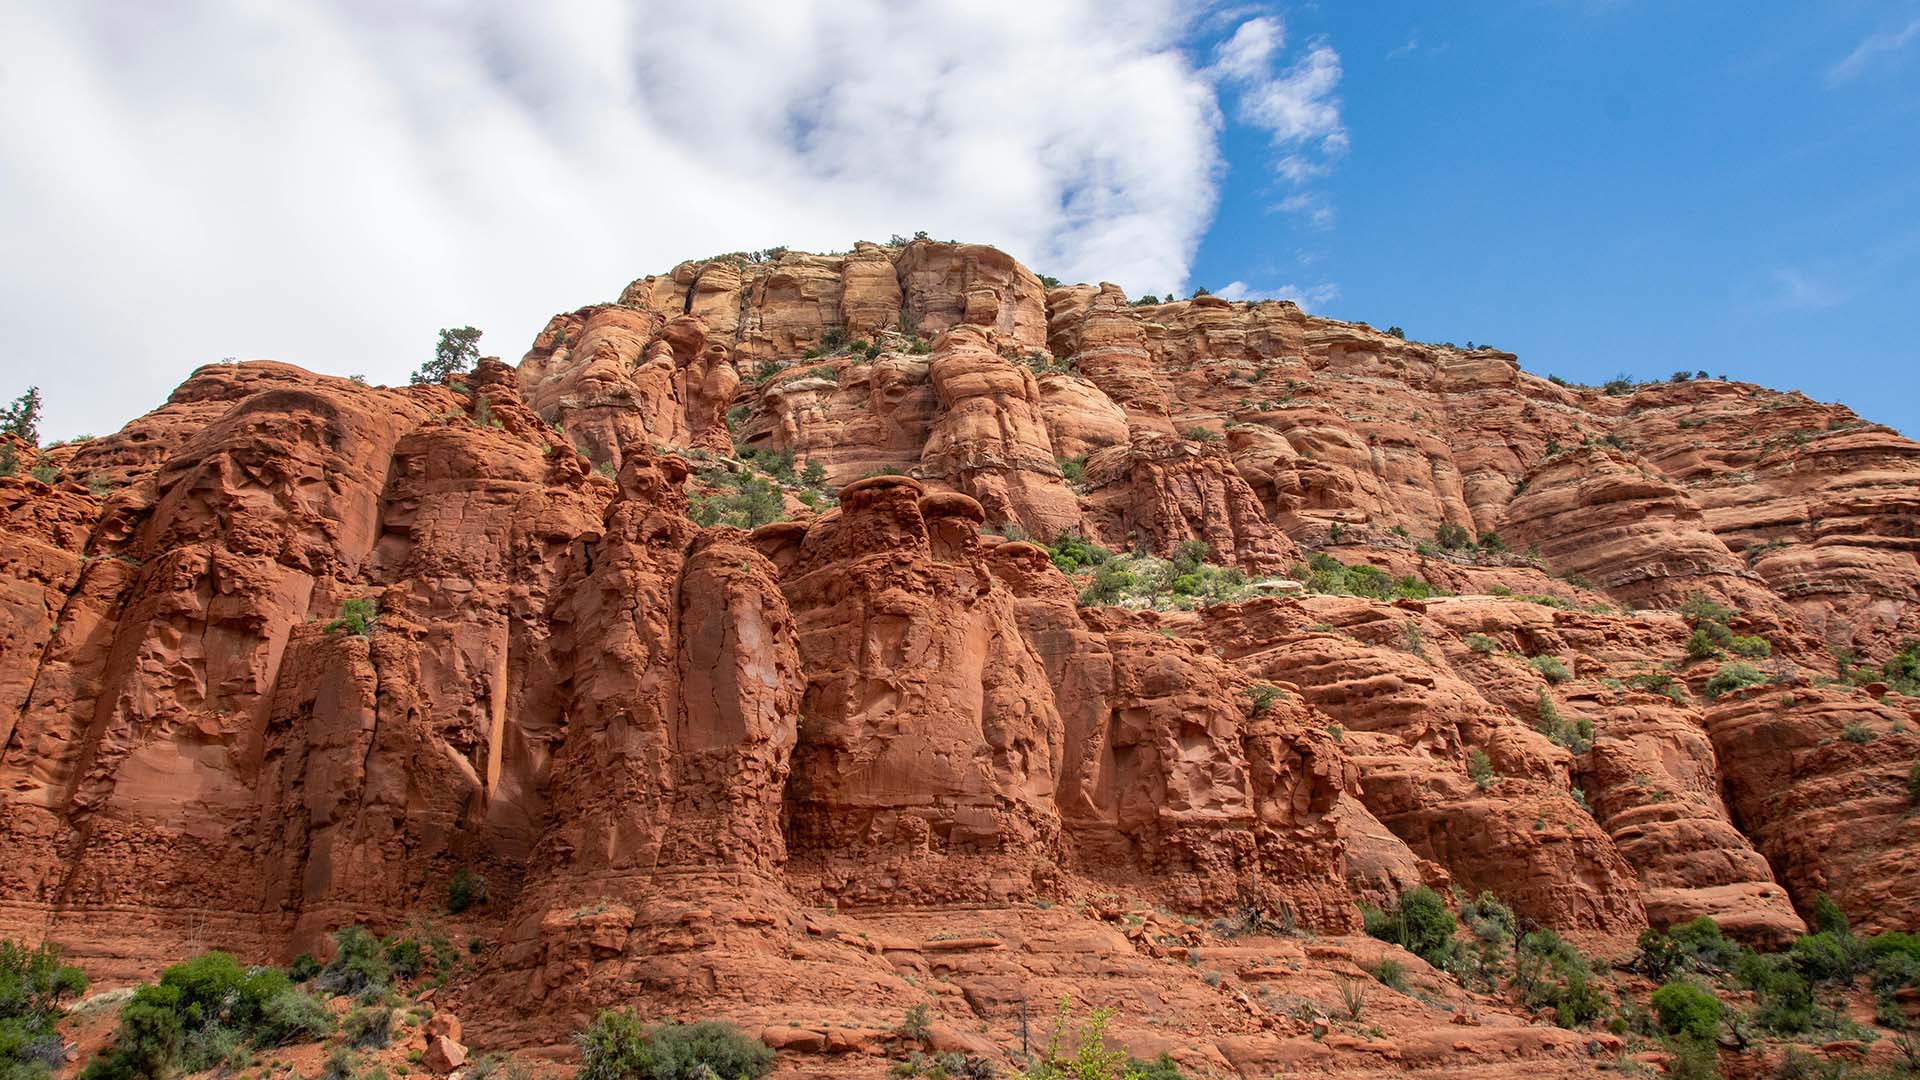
x=928 y=730
x=1410 y=726
x=1818 y=778
x=881 y=746
x=990 y=440
x=1158 y=493
x=1631 y=532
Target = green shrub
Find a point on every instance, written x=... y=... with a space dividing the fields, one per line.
x=1160 y=1068
x=1753 y=648
x=618 y=1046
x=1182 y=583
x=775 y=463
x=1827 y=918
x=1825 y=957
x=1692 y=1059
x=1857 y=733
x=1083 y=1054
x=1902 y=671
x=201 y=1014
x=1110 y=582
x=1550 y=668
x=1913 y=784
x=293 y=1016
x=1264 y=695
x=359 y=963
x=1488 y=918
x=1703 y=644
x=368 y=1028
x=1325 y=574
x=1453 y=537
x=1480 y=768
x=214 y=988
x=1576 y=735
x=1892 y=942
x=814 y=475
x=1733 y=677
x=1893 y=972
x=1420 y=923
x=1043 y=364
x=1784 y=1001
x=1660 y=683
x=1687 y=1009
x=357 y=617
x=753 y=501
x=1390 y=972
x=1659 y=956
x=1072 y=552
x=464 y=890
x=33 y=983
x=1699 y=609
x=1551 y=973
x=1701 y=942
x=1377 y=923
x=950 y=1065
x=148 y=1042
x=211 y=1046
x=1482 y=644
x=405 y=958
x=304 y=967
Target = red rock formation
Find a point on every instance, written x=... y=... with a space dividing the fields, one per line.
x=924 y=770
x=1818 y=778
x=847 y=758
x=990 y=440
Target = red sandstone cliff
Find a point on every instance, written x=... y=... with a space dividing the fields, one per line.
x=827 y=759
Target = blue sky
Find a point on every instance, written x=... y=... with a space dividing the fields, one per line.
x=1609 y=187
x=1600 y=186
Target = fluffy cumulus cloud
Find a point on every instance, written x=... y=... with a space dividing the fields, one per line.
x=328 y=181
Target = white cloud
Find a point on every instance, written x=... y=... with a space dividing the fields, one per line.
x=1299 y=107
x=1299 y=168
x=1870 y=49
x=1300 y=111
x=1310 y=207
x=1411 y=46
x=1245 y=55
x=1798 y=289
x=1310 y=297
x=329 y=182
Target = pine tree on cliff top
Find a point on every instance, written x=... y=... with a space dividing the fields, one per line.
x=457 y=352
x=22 y=418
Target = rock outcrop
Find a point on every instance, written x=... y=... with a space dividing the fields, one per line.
x=290 y=652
